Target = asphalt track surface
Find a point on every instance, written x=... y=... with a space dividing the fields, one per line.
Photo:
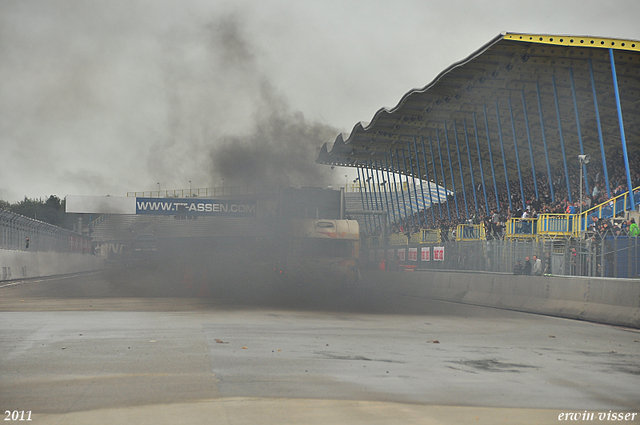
x=147 y=346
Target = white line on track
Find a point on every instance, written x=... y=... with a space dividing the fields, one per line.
x=47 y=279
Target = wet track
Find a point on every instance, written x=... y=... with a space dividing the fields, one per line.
x=155 y=347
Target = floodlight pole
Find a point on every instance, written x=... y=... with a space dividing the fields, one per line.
x=583 y=160
x=581 y=167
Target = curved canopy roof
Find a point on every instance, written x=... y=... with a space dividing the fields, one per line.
x=515 y=94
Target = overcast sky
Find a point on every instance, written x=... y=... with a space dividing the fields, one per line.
x=102 y=98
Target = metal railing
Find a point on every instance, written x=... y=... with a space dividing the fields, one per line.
x=556 y=225
x=429 y=236
x=206 y=192
x=607 y=209
x=21 y=233
x=469 y=232
x=522 y=228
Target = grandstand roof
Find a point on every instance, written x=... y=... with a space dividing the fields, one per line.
x=502 y=77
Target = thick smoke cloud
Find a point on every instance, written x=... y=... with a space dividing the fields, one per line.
x=280 y=151
x=98 y=102
x=228 y=109
x=280 y=146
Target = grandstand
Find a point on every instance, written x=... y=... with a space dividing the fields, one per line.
x=536 y=126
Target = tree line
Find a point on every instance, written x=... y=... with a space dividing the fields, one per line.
x=50 y=210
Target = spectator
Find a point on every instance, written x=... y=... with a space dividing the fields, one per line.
x=517 y=268
x=634 y=230
x=526 y=270
x=537 y=266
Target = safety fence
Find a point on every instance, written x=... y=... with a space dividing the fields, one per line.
x=600 y=255
x=25 y=234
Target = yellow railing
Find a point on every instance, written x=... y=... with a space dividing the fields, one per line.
x=555 y=225
x=398 y=239
x=521 y=228
x=429 y=236
x=610 y=208
x=470 y=232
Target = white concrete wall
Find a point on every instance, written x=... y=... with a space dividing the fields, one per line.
x=601 y=300
x=24 y=264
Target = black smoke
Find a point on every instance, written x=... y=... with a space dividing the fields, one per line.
x=279 y=146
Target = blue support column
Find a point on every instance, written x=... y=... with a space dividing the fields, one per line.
x=484 y=186
x=504 y=161
x=383 y=206
x=366 y=194
x=376 y=218
x=386 y=163
x=473 y=181
x=453 y=180
x=384 y=187
x=375 y=179
x=395 y=185
x=435 y=177
x=464 y=192
x=366 y=217
x=621 y=124
x=544 y=142
x=575 y=106
x=373 y=219
x=404 y=203
x=373 y=185
x=564 y=156
x=413 y=179
x=533 y=165
x=406 y=173
x=424 y=208
x=444 y=179
x=426 y=175
x=597 y=111
x=493 y=170
x=515 y=145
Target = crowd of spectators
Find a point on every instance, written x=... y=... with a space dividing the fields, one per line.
x=447 y=215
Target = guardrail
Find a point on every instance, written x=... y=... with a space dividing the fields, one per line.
x=429 y=235
x=522 y=229
x=470 y=232
x=608 y=209
x=556 y=225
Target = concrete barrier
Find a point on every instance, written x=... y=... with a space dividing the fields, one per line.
x=601 y=300
x=26 y=264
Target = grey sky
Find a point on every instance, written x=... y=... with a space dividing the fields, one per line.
x=103 y=98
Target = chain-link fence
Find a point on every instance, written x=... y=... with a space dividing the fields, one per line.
x=25 y=234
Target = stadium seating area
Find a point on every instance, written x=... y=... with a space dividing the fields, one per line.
x=453 y=212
